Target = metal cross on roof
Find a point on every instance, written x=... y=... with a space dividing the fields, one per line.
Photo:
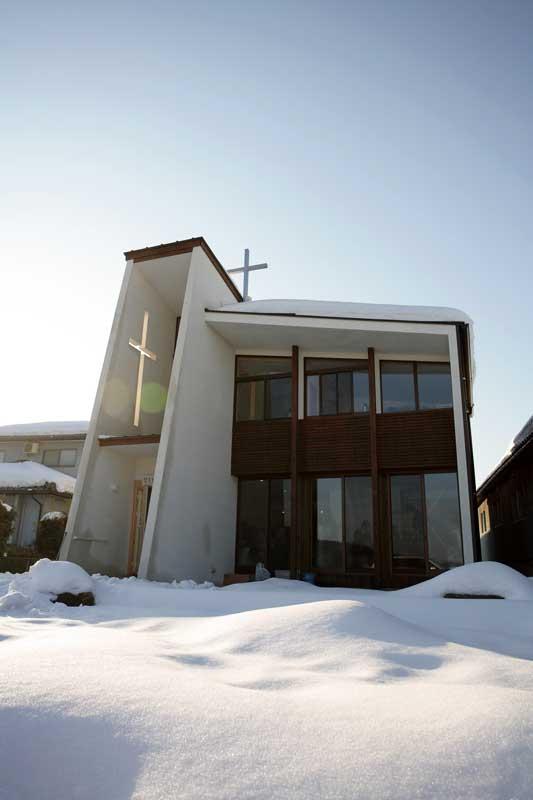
x=246 y=269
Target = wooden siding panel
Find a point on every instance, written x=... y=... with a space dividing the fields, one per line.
x=416 y=440
x=261 y=448
x=335 y=444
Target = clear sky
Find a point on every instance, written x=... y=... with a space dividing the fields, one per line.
x=369 y=151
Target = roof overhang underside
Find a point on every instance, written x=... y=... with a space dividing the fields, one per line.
x=248 y=331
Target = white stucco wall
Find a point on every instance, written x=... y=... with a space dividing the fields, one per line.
x=99 y=521
x=191 y=523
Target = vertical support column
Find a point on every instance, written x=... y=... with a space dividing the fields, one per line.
x=461 y=448
x=374 y=467
x=295 y=549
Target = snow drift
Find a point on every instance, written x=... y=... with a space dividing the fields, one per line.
x=278 y=689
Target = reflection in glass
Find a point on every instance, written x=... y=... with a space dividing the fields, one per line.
x=328 y=394
x=443 y=520
x=361 y=391
x=279 y=398
x=407 y=521
x=250 y=404
x=434 y=386
x=313 y=396
x=358 y=523
x=280 y=525
x=248 y=366
x=344 y=390
x=328 y=522
x=253 y=523
x=397 y=386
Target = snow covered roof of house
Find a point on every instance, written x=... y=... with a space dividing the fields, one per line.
x=31 y=475
x=523 y=438
x=63 y=429
x=335 y=309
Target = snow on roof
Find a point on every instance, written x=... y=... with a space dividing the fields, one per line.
x=62 y=428
x=327 y=308
x=523 y=435
x=67 y=428
x=31 y=475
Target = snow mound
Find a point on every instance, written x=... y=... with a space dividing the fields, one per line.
x=53 y=515
x=31 y=475
x=482 y=578
x=56 y=577
x=14 y=601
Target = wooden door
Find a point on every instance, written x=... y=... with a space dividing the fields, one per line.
x=138 y=519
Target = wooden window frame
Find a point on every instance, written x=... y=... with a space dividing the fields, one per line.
x=343 y=571
x=415 y=365
x=421 y=477
x=360 y=365
x=242 y=570
x=266 y=394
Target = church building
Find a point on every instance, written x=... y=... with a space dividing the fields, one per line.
x=330 y=438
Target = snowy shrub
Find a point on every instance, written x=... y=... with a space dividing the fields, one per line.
x=7 y=516
x=50 y=533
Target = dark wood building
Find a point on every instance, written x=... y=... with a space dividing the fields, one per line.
x=505 y=506
x=358 y=483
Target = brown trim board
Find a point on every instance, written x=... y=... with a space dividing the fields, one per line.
x=108 y=441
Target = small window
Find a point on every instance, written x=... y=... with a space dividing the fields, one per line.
x=67 y=458
x=263 y=388
x=51 y=458
x=2 y=456
x=60 y=458
x=411 y=386
x=336 y=386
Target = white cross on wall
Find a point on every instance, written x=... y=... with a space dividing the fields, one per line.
x=143 y=353
x=246 y=269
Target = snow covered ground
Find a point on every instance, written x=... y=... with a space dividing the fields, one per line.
x=272 y=690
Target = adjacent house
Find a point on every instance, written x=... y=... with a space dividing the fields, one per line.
x=330 y=438
x=505 y=506
x=38 y=465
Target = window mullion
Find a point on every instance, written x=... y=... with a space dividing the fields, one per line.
x=415 y=378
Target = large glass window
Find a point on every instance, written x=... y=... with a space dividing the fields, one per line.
x=443 y=520
x=263 y=388
x=412 y=385
x=336 y=386
x=263 y=525
x=344 y=540
x=425 y=521
x=408 y=547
